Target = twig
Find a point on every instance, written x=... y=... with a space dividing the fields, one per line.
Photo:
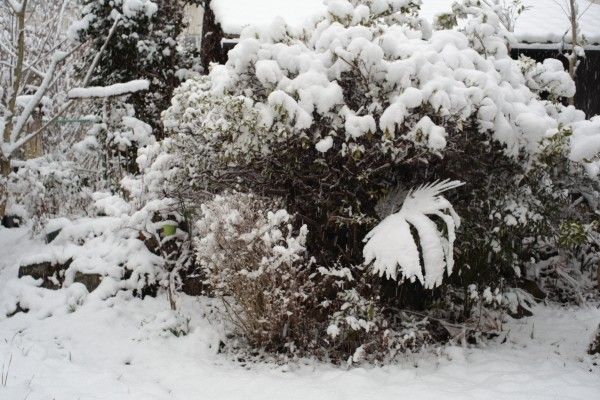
x=4 y=375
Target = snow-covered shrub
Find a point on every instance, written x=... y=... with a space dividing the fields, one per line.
x=222 y=129
x=568 y=268
x=154 y=189
x=167 y=235
x=367 y=100
x=110 y=145
x=255 y=261
x=346 y=125
x=548 y=78
x=44 y=187
x=360 y=327
x=145 y=45
x=167 y=323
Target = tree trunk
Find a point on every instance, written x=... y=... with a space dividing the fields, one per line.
x=4 y=172
x=34 y=148
x=212 y=34
x=574 y=43
x=18 y=73
x=12 y=105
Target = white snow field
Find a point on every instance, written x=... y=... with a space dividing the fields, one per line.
x=114 y=350
x=544 y=21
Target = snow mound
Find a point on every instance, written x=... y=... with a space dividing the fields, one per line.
x=110 y=247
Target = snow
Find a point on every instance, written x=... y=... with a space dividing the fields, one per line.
x=543 y=22
x=435 y=135
x=324 y=144
x=357 y=126
x=268 y=71
x=585 y=142
x=111 y=205
x=392 y=250
x=118 y=89
x=137 y=132
x=122 y=349
x=555 y=23
x=333 y=331
x=551 y=74
x=281 y=100
x=17 y=6
x=23 y=100
x=132 y=7
x=234 y=15
x=79 y=26
x=446 y=71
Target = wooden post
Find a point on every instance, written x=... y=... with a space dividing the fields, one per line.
x=212 y=35
x=4 y=172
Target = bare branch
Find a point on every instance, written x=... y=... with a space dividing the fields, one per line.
x=27 y=138
x=37 y=97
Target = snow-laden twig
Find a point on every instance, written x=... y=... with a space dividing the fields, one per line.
x=5 y=371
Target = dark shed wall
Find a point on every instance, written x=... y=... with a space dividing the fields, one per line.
x=588 y=76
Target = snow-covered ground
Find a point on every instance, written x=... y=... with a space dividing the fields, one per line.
x=115 y=350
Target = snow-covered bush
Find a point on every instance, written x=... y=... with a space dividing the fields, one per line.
x=348 y=125
x=255 y=261
x=368 y=100
x=110 y=146
x=145 y=46
x=360 y=327
x=43 y=188
x=167 y=323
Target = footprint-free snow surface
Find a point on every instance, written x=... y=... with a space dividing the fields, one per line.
x=119 y=349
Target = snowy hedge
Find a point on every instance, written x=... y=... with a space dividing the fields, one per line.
x=358 y=124
x=367 y=99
